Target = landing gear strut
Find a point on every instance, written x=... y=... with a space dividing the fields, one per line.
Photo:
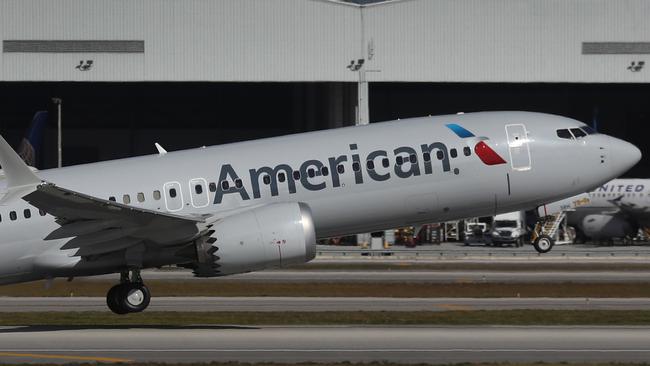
x=130 y=295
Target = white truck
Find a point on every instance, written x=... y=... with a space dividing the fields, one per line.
x=508 y=228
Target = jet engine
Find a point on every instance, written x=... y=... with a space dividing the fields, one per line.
x=269 y=236
x=607 y=226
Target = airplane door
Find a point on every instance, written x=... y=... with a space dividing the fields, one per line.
x=173 y=196
x=199 y=192
x=518 y=147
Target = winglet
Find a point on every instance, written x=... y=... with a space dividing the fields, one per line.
x=161 y=150
x=17 y=173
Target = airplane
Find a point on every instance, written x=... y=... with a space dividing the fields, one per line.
x=616 y=209
x=31 y=145
x=261 y=204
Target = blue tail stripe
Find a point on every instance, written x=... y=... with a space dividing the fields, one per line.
x=460 y=131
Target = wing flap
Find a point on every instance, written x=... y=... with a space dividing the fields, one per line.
x=98 y=226
x=107 y=247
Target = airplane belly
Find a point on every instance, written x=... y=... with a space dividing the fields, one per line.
x=16 y=262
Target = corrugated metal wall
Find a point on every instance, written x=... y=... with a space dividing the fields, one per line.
x=505 y=40
x=313 y=40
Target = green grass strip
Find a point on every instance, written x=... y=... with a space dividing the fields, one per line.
x=220 y=287
x=184 y=319
x=348 y=364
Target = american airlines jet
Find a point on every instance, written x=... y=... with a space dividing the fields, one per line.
x=260 y=204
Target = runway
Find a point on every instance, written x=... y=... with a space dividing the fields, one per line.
x=323 y=344
x=221 y=304
x=418 y=276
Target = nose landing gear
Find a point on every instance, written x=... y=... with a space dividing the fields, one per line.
x=130 y=295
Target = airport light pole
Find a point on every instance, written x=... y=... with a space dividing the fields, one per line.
x=363 y=111
x=58 y=102
x=362 y=117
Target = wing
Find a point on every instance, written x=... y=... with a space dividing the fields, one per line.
x=95 y=226
x=98 y=226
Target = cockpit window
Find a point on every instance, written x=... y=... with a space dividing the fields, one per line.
x=564 y=134
x=589 y=130
x=578 y=133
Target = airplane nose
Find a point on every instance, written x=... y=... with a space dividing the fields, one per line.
x=623 y=156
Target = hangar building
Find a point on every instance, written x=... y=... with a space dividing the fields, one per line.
x=198 y=72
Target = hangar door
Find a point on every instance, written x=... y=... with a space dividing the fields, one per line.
x=518 y=147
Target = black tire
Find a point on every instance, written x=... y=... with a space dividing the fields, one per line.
x=520 y=242
x=543 y=244
x=134 y=297
x=113 y=300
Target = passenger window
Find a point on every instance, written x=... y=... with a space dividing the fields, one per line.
x=453 y=153
x=172 y=192
x=340 y=168
x=311 y=172
x=0 y=218
x=440 y=155
x=370 y=164
x=426 y=156
x=356 y=166
x=225 y=185
x=281 y=177
x=467 y=151
x=238 y=183
x=27 y=213
x=399 y=160
x=42 y=213
x=198 y=189
x=111 y=198
x=325 y=171
x=578 y=133
x=413 y=158
x=385 y=162
x=13 y=216
x=212 y=186
x=126 y=199
x=564 y=134
x=140 y=197
x=156 y=195
x=267 y=179
x=296 y=175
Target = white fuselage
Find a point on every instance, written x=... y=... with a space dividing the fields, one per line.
x=408 y=181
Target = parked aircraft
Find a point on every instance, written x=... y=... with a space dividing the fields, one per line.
x=253 y=205
x=31 y=145
x=617 y=209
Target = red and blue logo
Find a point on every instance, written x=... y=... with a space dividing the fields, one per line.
x=487 y=155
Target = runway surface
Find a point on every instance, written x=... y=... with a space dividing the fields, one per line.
x=409 y=276
x=27 y=304
x=321 y=344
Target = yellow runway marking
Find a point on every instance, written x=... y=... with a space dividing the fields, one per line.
x=64 y=357
x=454 y=307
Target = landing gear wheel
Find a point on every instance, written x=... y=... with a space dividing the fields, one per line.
x=113 y=300
x=135 y=297
x=130 y=296
x=543 y=244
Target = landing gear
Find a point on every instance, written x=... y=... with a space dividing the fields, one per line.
x=130 y=296
x=543 y=243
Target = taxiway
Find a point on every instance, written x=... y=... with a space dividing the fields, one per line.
x=320 y=344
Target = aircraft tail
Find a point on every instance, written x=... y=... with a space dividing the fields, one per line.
x=32 y=144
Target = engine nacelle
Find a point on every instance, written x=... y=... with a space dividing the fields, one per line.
x=269 y=236
x=607 y=227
